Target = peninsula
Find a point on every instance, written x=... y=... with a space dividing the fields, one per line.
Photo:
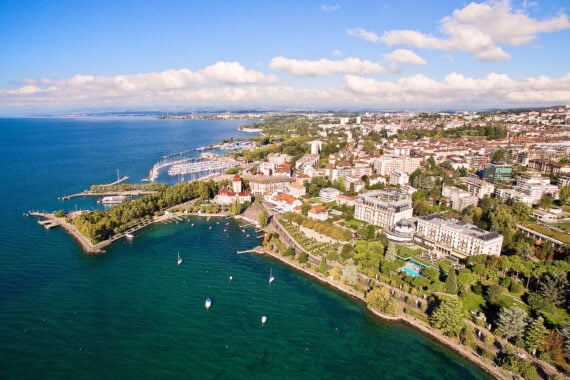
x=437 y=220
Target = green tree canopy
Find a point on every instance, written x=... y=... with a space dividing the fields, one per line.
x=512 y=322
x=448 y=316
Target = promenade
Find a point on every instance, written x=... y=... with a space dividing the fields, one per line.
x=405 y=301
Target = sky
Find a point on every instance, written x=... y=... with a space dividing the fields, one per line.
x=80 y=55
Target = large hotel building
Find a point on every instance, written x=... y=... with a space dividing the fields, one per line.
x=383 y=208
x=448 y=237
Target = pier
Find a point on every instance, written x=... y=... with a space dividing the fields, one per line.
x=257 y=250
x=89 y=193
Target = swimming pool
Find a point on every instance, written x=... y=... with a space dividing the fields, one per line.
x=410 y=272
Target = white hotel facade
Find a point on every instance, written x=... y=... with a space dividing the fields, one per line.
x=383 y=208
x=448 y=237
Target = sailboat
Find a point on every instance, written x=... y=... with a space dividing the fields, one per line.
x=179 y=259
x=208 y=303
x=271 y=278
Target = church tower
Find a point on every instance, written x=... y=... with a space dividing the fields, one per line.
x=236 y=184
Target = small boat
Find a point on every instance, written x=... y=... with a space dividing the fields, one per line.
x=263 y=320
x=271 y=278
x=129 y=236
x=179 y=259
x=208 y=303
x=231 y=278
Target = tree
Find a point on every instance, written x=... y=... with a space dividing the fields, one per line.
x=349 y=273
x=467 y=334
x=553 y=288
x=512 y=322
x=379 y=299
x=451 y=282
x=369 y=147
x=235 y=207
x=391 y=252
x=448 y=316
x=564 y=194
x=323 y=265
x=535 y=334
x=263 y=218
x=340 y=184
x=546 y=202
x=303 y=257
x=493 y=294
x=499 y=155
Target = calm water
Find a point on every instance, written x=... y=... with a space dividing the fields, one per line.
x=132 y=313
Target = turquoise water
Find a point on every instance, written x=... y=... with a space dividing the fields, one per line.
x=133 y=313
x=410 y=272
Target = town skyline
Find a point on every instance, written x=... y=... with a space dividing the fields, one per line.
x=312 y=55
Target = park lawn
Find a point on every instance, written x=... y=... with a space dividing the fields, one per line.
x=557 y=317
x=511 y=301
x=353 y=223
x=406 y=252
x=473 y=302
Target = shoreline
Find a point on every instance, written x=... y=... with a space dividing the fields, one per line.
x=88 y=247
x=486 y=365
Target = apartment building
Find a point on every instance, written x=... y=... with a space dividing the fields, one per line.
x=478 y=187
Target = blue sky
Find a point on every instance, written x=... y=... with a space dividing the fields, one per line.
x=401 y=54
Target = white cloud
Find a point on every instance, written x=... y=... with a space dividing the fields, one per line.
x=209 y=87
x=364 y=34
x=330 y=7
x=234 y=73
x=405 y=56
x=456 y=89
x=324 y=66
x=478 y=28
x=337 y=53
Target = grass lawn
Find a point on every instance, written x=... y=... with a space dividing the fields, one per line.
x=511 y=301
x=353 y=223
x=473 y=302
x=558 y=316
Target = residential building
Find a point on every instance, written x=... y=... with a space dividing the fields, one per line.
x=478 y=187
x=399 y=177
x=533 y=184
x=260 y=184
x=517 y=196
x=283 y=202
x=459 y=198
x=449 y=237
x=342 y=199
x=564 y=181
x=279 y=158
x=548 y=167
x=297 y=189
x=383 y=208
x=318 y=212
x=498 y=172
x=356 y=183
x=328 y=194
x=385 y=165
